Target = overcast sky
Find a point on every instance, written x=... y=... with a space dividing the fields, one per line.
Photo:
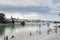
x=31 y=9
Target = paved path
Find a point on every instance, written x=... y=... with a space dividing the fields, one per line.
x=24 y=35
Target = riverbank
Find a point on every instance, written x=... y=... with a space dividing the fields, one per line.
x=30 y=32
x=20 y=33
x=36 y=36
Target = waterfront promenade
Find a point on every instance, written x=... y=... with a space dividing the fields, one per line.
x=30 y=32
x=36 y=36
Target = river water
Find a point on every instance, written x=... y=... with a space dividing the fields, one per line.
x=9 y=30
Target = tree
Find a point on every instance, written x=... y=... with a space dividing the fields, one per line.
x=2 y=18
x=23 y=23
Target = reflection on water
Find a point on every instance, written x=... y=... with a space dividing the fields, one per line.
x=5 y=30
x=2 y=29
x=8 y=30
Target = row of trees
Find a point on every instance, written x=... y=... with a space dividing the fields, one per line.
x=4 y=20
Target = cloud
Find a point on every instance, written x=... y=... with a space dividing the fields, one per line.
x=17 y=9
x=33 y=15
x=55 y=9
x=42 y=6
x=31 y=8
x=56 y=1
x=20 y=2
x=26 y=2
x=14 y=15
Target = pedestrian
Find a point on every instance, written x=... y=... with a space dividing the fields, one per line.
x=6 y=37
x=30 y=33
x=39 y=32
x=12 y=37
x=49 y=30
x=39 y=28
x=48 y=24
x=56 y=29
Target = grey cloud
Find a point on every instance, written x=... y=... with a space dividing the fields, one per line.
x=56 y=1
x=10 y=8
